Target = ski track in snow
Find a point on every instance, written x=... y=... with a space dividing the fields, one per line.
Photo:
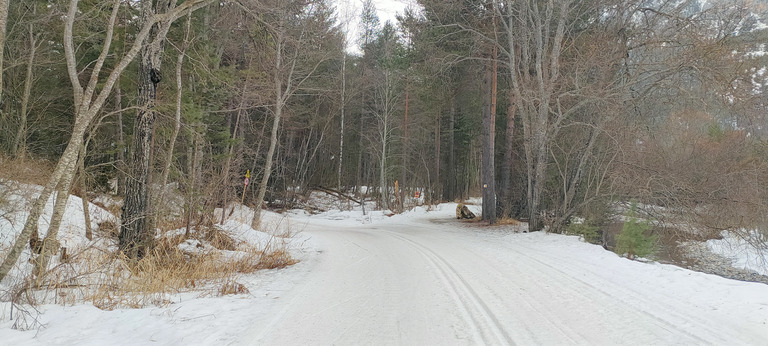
x=422 y=279
x=497 y=294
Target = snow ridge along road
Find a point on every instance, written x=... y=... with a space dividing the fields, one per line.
x=420 y=282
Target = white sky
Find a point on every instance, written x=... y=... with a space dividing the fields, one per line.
x=350 y=9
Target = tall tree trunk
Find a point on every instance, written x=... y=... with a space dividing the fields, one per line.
x=20 y=144
x=343 y=107
x=177 y=118
x=50 y=243
x=489 y=134
x=279 y=104
x=136 y=235
x=3 y=24
x=194 y=157
x=384 y=198
x=228 y=165
x=84 y=194
x=436 y=183
x=403 y=171
x=506 y=172
x=451 y=183
x=66 y=164
x=361 y=128
x=121 y=148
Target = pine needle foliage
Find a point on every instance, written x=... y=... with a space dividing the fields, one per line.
x=634 y=241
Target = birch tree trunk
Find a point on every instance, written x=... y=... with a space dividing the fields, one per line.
x=230 y=154
x=3 y=24
x=84 y=195
x=20 y=144
x=384 y=119
x=51 y=243
x=279 y=104
x=177 y=118
x=121 y=166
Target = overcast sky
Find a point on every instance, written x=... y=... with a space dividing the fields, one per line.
x=350 y=9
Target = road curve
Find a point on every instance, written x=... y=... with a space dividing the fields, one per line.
x=426 y=284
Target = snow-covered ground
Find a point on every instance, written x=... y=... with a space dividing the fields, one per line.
x=746 y=250
x=425 y=278
x=18 y=199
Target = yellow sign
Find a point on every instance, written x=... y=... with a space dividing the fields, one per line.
x=248 y=174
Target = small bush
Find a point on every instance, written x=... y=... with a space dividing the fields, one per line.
x=586 y=231
x=633 y=240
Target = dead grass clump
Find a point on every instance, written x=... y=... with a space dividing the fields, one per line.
x=268 y=259
x=233 y=288
x=219 y=239
x=276 y=259
x=168 y=270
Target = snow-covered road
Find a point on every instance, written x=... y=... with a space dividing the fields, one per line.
x=427 y=282
x=423 y=278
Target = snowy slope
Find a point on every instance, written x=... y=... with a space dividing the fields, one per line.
x=14 y=213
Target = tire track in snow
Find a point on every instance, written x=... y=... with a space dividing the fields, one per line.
x=487 y=327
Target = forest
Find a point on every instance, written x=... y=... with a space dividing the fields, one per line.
x=550 y=110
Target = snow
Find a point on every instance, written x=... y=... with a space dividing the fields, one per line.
x=746 y=249
x=421 y=277
x=71 y=232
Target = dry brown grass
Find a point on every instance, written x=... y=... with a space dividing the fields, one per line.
x=170 y=223
x=29 y=171
x=276 y=259
x=219 y=239
x=101 y=275
x=169 y=270
x=109 y=280
x=507 y=221
x=233 y=288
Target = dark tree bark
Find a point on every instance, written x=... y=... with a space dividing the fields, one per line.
x=506 y=170
x=136 y=235
x=449 y=192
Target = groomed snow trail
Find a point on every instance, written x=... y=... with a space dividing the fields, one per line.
x=429 y=283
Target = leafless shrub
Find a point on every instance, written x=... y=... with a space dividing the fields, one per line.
x=697 y=176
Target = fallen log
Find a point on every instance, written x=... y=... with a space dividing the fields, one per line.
x=336 y=193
